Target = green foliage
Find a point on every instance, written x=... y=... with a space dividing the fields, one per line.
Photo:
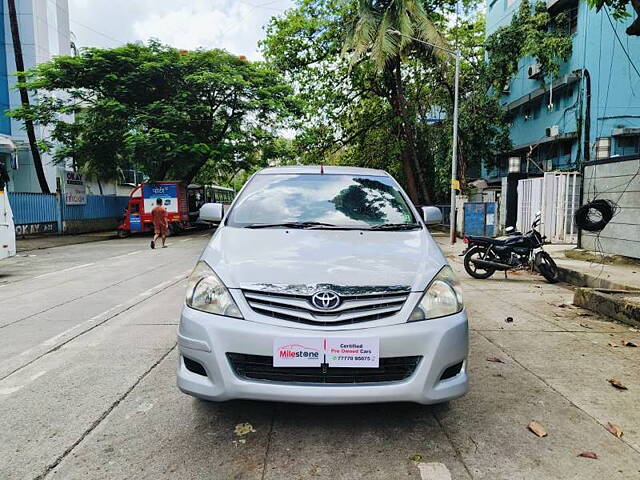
x=620 y=11
x=618 y=7
x=348 y=118
x=156 y=109
x=386 y=30
x=533 y=32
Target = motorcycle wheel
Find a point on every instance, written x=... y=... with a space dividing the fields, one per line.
x=476 y=272
x=547 y=267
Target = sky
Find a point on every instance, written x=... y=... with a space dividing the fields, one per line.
x=234 y=25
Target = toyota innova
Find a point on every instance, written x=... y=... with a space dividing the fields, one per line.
x=323 y=285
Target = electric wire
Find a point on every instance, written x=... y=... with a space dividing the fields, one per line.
x=620 y=42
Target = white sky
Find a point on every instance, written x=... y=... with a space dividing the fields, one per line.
x=235 y=25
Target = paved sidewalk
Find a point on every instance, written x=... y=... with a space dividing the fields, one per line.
x=582 y=273
x=594 y=274
x=40 y=242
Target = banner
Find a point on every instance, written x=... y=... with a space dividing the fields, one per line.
x=168 y=192
x=75 y=192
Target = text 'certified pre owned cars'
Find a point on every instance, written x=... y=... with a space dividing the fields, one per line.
x=323 y=286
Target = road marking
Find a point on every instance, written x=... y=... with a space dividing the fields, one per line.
x=14 y=389
x=127 y=254
x=55 y=338
x=65 y=270
x=434 y=471
x=186 y=240
x=10 y=390
x=146 y=293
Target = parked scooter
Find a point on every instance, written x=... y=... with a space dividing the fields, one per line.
x=484 y=255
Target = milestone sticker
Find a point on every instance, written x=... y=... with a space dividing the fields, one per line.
x=298 y=352
x=334 y=352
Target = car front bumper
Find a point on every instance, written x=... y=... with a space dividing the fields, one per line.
x=207 y=338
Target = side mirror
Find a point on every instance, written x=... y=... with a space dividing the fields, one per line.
x=432 y=215
x=211 y=212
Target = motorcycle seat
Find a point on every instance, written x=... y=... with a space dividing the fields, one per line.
x=486 y=240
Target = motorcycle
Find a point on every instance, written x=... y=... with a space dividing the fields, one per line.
x=484 y=255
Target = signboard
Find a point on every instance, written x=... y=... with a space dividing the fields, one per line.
x=32 y=228
x=167 y=192
x=75 y=192
x=134 y=222
x=332 y=351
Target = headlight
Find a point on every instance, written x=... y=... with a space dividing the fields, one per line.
x=443 y=297
x=206 y=292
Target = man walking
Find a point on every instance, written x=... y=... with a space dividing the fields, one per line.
x=160 y=224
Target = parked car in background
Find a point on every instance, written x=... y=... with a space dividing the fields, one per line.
x=323 y=285
x=7 y=227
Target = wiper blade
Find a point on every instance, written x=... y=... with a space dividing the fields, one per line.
x=290 y=225
x=396 y=226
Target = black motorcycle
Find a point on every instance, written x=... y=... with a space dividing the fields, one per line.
x=484 y=256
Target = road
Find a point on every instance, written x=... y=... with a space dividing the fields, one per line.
x=87 y=386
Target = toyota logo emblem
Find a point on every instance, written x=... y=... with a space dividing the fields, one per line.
x=325 y=300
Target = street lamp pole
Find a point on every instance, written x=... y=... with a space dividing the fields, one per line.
x=454 y=155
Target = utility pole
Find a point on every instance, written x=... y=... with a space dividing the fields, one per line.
x=454 y=156
x=24 y=96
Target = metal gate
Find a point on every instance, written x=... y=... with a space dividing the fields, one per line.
x=556 y=196
x=529 y=202
x=560 y=200
x=480 y=218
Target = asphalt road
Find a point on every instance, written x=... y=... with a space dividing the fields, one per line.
x=87 y=386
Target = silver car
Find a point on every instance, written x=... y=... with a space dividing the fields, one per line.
x=323 y=285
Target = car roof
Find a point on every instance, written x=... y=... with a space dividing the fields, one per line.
x=327 y=170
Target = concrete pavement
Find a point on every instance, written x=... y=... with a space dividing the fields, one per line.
x=87 y=386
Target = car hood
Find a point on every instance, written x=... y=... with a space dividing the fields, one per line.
x=255 y=258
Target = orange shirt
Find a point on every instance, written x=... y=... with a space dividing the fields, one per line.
x=159 y=216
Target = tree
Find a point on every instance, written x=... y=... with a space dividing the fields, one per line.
x=620 y=11
x=348 y=118
x=24 y=96
x=151 y=107
x=386 y=30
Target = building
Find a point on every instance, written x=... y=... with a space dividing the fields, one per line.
x=44 y=33
x=587 y=119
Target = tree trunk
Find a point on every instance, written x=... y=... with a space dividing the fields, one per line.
x=24 y=97
x=634 y=28
x=409 y=158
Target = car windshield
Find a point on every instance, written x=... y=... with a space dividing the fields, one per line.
x=321 y=201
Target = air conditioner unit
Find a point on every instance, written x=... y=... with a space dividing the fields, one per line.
x=552 y=131
x=534 y=70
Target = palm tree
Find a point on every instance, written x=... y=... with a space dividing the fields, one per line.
x=24 y=97
x=384 y=31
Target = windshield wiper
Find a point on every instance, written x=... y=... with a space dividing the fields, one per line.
x=396 y=226
x=290 y=225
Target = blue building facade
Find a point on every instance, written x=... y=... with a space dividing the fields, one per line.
x=590 y=111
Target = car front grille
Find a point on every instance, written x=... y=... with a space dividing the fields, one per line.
x=257 y=367
x=354 y=308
